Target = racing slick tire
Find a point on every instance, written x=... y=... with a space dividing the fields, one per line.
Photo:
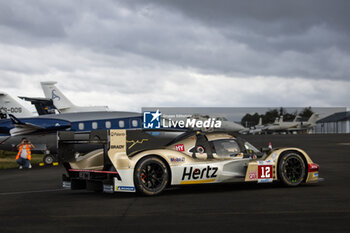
x=151 y=176
x=48 y=159
x=291 y=169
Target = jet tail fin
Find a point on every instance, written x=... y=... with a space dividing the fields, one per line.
x=260 y=121
x=312 y=120
x=296 y=118
x=9 y=105
x=60 y=101
x=281 y=119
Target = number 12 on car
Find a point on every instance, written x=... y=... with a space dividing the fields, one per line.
x=265 y=172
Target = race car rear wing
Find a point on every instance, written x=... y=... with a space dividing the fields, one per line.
x=69 y=144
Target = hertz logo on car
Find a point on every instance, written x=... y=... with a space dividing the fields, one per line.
x=196 y=175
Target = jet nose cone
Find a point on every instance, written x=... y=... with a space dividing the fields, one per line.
x=241 y=127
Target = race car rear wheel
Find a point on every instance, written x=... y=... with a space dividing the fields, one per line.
x=291 y=169
x=151 y=175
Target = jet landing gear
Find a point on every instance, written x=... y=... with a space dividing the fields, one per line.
x=49 y=159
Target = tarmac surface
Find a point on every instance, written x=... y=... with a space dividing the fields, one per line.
x=33 y=200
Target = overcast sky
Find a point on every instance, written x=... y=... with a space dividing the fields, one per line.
x=133 y=53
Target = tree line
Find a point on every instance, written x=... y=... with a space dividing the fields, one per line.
x=249 y=120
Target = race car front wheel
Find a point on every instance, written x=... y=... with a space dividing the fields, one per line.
x=291 y=169
x=151 y=175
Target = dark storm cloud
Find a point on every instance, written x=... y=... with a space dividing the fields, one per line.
x=245 y=38
x=267 y=17
x=22 y=19
x=158 y=49
x=274 y=32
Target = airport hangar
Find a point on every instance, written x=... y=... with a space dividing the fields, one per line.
x=336 y=123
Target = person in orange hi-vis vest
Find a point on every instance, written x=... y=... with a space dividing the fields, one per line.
x=24 y=154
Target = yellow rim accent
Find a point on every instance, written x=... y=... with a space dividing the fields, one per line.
x=55 y=164
x=41 y=164
x=197 y=181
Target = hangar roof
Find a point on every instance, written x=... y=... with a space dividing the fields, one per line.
x=338 y=116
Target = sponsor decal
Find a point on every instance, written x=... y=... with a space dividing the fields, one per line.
x=265 y=162
x=117 y=134
x=117 y=147
x=133 y=142
x=182 y=159
x=265 y=180
x=151 y=120
x=180 y=147
x=265 y=172
x=315 y=174
x=274 y=156
x=191 y=173
x=125 y=188
x=252 y=176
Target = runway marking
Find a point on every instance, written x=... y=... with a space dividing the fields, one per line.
x=33 y=191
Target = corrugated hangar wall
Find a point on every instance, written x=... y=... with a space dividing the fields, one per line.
x=333 y=127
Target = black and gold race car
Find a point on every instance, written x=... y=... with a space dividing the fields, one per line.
x=149 y=161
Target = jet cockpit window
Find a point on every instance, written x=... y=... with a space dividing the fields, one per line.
x=226 y=148
x=121 y=124
x=94 y=125
x=81 y=126
x=134 y=123
x=108 y=124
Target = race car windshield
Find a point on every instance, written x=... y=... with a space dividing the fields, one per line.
x=226 y=148
x=249 y=146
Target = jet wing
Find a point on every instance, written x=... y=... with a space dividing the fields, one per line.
x=22 y=127
x=21 y=130
x=42 y=125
